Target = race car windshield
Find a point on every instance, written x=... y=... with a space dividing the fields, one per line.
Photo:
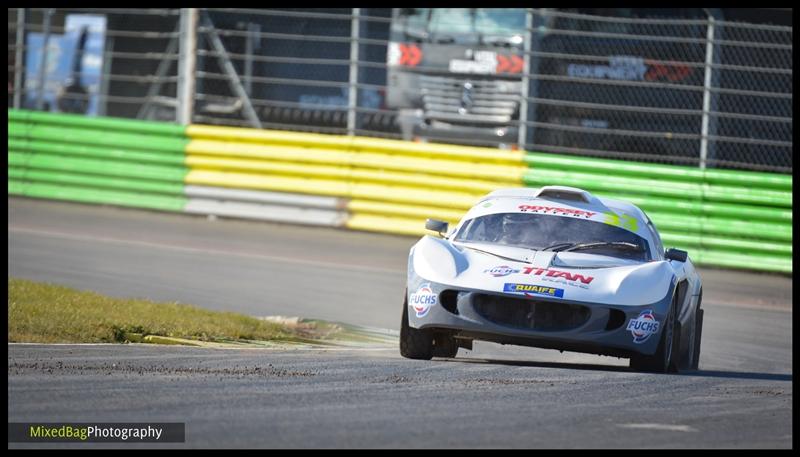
x=541 y=231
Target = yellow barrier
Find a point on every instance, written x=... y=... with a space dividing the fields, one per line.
x=510 y=174
x=332 y=187
x=247 y=135
x=393 y=185
x=405 y=211
x=398 y=226
x=316 y=141
x=200 y=162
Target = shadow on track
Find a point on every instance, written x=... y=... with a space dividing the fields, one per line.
x=624 y=369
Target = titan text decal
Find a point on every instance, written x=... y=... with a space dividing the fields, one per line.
x=557 y=276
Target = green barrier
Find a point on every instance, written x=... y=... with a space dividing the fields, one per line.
x=741 y=246
x=100 y=152
x=96 y=160
x=674 y=189
x=732 y=227
x=90 y=195
x=92 y=137
x=742 y=261
x=725 y=218
x=99 y=167
x=104 y=124
x=688 y=207
x=79 y=180
x=657 y=171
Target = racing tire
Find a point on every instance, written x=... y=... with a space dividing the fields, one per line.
x=415 y=343
x=444 y=346
x=698 y=334
x=664 y=360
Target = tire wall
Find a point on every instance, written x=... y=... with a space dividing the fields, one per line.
x=723 y=218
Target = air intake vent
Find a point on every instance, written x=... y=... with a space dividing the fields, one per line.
x=615 y=319
x=565 y=193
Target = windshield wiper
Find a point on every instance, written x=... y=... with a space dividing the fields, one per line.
x=555 y=247
x=617 y=244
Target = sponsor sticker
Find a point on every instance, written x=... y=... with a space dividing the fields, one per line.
x=532 y=290
x=422 y=299
x=621 y=220
x=643 y=326
x=563 y=277
x=556 y=210
x=502 y=270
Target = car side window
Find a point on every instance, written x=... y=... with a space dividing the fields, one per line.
x=659 y=247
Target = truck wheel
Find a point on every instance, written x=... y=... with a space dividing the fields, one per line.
x=414 y=343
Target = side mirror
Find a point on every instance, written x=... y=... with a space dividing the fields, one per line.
x=676 y=254
x=436 y=226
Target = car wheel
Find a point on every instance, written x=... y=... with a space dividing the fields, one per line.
x=444 y=346
x=662 y=361
x=698 y=333
x=414 y=343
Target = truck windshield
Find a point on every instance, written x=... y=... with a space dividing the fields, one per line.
x=484 y=21
x=557 y=233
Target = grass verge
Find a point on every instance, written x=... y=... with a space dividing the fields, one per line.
x=47 y=313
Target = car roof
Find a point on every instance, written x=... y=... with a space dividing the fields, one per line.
x=565 y=202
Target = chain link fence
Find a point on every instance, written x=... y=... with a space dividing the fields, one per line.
x=691 y=89
x=688 y=91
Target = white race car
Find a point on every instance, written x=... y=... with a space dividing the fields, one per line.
x=557 y=268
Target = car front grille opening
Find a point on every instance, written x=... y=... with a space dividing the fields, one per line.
x=615 y=319
x=531 y=314
x=449 y=301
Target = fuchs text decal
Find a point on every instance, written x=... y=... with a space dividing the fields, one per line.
x=502 y=270
x=422 y=299
x=556 y=210
x=643 y=326
x=532 y=289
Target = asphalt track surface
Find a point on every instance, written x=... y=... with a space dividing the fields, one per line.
x=494 y=396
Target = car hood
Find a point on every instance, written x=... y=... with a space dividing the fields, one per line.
x=569 y=276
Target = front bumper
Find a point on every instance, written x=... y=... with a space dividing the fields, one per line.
x=605 y=330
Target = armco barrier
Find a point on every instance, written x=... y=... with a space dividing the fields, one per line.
x=96 y=160
x=722 y=217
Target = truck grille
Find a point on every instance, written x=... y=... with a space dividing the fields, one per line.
x=470 y=100
x=530 y=314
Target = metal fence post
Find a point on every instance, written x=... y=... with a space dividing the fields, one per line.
x=352 y=98
x=43 y=60
x=526 y=79
x=538 y=31
x=18 y=56
x=102 y=104
x=251 y=43
x=186 y=65
x=707 y=92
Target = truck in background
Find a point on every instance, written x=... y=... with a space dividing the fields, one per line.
x=454 y=74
